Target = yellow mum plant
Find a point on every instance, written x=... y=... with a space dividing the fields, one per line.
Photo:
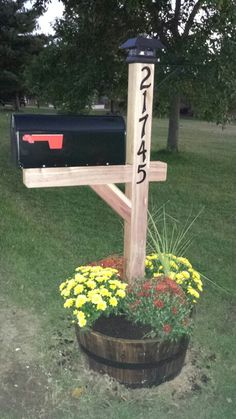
x=91 y=292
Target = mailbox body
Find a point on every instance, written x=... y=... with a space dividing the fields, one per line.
x=65 y=140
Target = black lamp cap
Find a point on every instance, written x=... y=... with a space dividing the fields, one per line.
x=142 y=50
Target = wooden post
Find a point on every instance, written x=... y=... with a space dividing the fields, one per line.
x=139 y=121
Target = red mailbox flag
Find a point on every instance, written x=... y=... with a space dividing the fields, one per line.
x=55 y=141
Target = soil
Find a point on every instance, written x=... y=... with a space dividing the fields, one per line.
x=23 y=385
x=119 y=327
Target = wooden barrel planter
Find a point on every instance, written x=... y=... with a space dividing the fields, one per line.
x=133 y=362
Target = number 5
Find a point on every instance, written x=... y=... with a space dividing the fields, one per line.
x=140 y=170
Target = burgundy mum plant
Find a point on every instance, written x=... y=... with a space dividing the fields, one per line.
x=162 y=306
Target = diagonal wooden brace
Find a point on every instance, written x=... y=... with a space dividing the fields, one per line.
x=115 y=198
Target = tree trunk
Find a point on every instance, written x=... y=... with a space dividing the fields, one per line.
x=173 y=133
x=17 y=102
x=112 y=106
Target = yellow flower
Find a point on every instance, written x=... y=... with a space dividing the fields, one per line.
x=113 y=302
x=96 y=298
x=123 y=285
x=81 y=319
x=80 y=300
x=115 y=282
x=120 y=293
x=65 y=292
x=200 y=287
x=84 y=269
x=179 y=278
x=148 y=264
x=196 y=276
x=100 y=279
x=91 y=293
x=71 y=283
x=78 y=289
x=80 y=315
x=110 y=271
x=113 y=286
x=184 y=261
x=82 y=322
x=179 y=281
x=173 y=265
x=185 y=275
x=156 y=275
x=91 y=284
x=63 y=284
x=104 y=292
x=171 y=275
x=79 y=278
x=69 y=302
x=193 y=292
x=153 y=256
x=102 y=305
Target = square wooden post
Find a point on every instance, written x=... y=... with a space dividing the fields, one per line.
x=139 y=124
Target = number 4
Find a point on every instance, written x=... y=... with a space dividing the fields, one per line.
x=142 y=150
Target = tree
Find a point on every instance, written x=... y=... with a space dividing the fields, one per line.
x=198 y=63
x=86 y=55
x=17 y=46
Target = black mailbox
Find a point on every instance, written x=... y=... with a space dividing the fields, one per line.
x=65 y=140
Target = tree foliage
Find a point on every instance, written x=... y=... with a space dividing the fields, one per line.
x=198 y=63
x=17 y=45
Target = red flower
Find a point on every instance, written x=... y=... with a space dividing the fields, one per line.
x=143 y=294
x=161 y=287
x=174 y=310
x=158 y=303
x=147 y=286
x=167 y=328
x=167 y=285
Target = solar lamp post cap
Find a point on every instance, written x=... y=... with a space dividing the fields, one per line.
x=142 y=50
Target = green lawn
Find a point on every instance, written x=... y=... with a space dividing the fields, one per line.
x=45 y=233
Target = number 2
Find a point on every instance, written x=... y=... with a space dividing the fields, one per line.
x=143 y=85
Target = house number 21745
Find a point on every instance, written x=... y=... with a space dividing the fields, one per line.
x=143 y=119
